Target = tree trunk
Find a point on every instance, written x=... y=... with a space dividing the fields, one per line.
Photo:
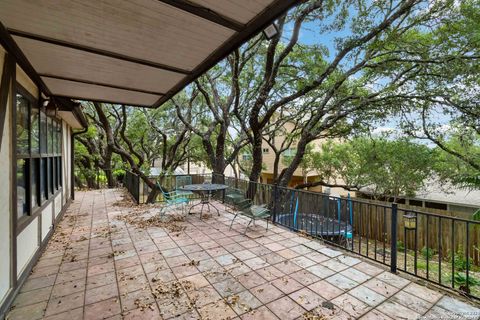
x=288 y=172
x=257 y=157
x=110 y=178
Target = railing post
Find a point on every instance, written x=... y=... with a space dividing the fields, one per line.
x=393 y=246
x=275 y=203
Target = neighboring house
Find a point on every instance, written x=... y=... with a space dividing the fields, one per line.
x=443 y=197
x=299 y=176
x=36 y=157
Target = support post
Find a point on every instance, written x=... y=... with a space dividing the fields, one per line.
x=393 y=246
x=275 y=203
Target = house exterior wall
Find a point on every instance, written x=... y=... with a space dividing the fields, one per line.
x=5 y=197
x=269 y=159
x=20 y=245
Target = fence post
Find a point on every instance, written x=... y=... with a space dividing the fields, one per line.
x=275 y=203
x=393 y=246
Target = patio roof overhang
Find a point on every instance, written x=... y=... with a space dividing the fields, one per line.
x=135 y=52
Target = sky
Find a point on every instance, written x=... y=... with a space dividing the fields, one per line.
x=310 y=34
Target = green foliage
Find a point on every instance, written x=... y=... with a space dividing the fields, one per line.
x=400 y=246
x=460 y=261
x=427 y=253
x=460 y=279
x=119 y=174
x=386 y=167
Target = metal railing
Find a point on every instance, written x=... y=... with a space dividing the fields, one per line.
x=438 y=248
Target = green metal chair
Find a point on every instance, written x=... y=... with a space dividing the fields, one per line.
x=233 y=196
x=172 y=200
x=181 y=181
x=254 y=212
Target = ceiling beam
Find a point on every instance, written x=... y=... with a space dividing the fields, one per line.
x=102 y=52
x=205 y=13
x=11 y=46
x=260 y=22
x=107 y=85
x=102 y=100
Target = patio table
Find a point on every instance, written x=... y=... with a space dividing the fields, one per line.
x=204 y=190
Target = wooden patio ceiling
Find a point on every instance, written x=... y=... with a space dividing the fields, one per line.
x=135 y=52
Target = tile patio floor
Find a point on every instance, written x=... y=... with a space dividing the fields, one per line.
x=99 y=267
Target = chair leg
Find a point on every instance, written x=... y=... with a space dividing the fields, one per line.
x=247 y=226
x=231 y=224
x=267 y=224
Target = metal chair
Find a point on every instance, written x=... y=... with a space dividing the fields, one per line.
x=181 y=181
x=254 y=212
x=233 y=196
x=172 y=200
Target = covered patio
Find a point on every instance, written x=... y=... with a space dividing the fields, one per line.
x=111 y=259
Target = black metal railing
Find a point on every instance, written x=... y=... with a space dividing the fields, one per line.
x=140 y=190
x=132 y=183
x=436 y=247
x=439 y=248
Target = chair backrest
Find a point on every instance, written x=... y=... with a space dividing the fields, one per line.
x=165 y=194
x=181 y=181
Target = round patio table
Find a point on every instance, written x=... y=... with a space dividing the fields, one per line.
x=204 y=190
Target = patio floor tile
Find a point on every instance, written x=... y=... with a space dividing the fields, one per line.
x=423 y=292
x=367 y=295
x=102 y=309
x=218 y=310
x=262 y=313
x=351 y=305
x=266 y=292
x=394 y=309
x=32 y=297
x=69 y=302
x=76 y=314
x=306 y=298
x=305 y=277
x=286 y=308
x=243 y=302
x=228 y=287
x=251 y=279
x=342 y=282
x=101 y=293
x=30 y=312
x=287 y=284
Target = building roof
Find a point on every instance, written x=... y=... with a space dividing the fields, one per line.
x=449 y=194
x=135 y=52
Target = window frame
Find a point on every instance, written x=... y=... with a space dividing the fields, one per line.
x=34 y=158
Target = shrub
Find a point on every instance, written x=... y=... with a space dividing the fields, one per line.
x=460 y=260
x=461 y=280
x=427 y=253
x=400 y=246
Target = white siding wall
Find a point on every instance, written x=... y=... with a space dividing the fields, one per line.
x=47 y=225
x=5 y=198
x=27 y=245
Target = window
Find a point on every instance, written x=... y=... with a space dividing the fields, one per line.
x=43 y=132
x=50 y=173
x=50 y=135
x=290 y=152
x=23 y=128
x=22 y=188
x=34 y=182
x=22 y=121
x=246 y=157
x=43 y=180
x=35 y=130
x=266 y=150
x=38 y=149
